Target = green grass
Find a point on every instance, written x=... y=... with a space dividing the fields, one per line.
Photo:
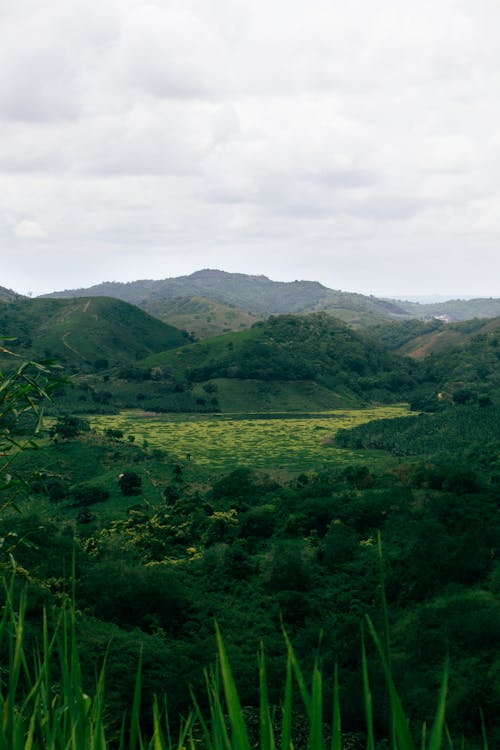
x=289 y=443
x=44 y=704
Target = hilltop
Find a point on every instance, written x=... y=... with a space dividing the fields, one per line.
x=259 y=296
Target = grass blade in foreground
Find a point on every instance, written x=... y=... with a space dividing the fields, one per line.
x=337 y=726
x=402 y=738
x=266 y=725
x=240 y=739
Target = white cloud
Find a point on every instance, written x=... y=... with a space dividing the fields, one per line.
x=29 y=230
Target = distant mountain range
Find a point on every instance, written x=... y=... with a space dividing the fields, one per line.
x=259 y=297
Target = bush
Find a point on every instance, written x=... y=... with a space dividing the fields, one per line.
x=130 y=483
x=68 y=427
x=89 y=495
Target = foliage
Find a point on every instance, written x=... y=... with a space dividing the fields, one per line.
x=68 y=427
x=130 y=483
x=451 y=429
x=45 y=703
x=22 y=391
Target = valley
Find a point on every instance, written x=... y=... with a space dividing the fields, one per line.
x=247 y=477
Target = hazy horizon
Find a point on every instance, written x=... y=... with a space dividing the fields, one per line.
x=425 y=298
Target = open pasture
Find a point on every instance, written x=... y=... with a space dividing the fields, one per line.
x=219 y=443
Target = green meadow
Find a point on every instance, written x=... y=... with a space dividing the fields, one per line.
x=263 y=441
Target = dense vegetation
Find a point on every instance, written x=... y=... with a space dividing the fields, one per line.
x=155 y=565
x=156 y=548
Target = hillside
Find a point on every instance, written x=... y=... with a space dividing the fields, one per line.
x=84 y=334
x=416 y=338
x=202 y=317
x=341 y=366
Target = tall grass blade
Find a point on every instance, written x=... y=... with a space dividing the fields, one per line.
x=266 y=725
x=286 y=726
x=135 y=737
x=483 y=730
x=158 y=740
x=423 y=742
x=337 y=725
x=207 y=739
x=240 y=739
x=436 y=737
x=315 y=735
x=402 y=736
x=367 y=696
x=306 y=699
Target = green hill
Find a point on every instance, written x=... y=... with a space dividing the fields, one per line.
x=84 y=334
x=202 y=317
x=458 y=362
x=417 y=338
x=340 y=366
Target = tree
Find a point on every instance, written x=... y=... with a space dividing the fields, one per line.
x=130 y=483
x=22 y=392
x=68 y=427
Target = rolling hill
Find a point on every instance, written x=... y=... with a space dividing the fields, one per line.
x=300 y=362
x=418 y=339
x=84 y=334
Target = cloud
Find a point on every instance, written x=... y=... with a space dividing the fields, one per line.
x=29 y=230
x=157 y=137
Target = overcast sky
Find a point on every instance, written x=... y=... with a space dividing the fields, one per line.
x=348 y=141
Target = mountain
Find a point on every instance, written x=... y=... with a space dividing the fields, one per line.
x=255 y=294
x=84 y=334
x=261 y=297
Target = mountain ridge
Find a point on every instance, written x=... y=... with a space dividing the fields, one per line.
x=261 y=296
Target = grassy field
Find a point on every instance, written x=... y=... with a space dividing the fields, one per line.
x=263 y=441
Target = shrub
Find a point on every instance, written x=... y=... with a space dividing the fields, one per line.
x=130 y=483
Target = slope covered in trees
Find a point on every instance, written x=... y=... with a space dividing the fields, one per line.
x=313 y=348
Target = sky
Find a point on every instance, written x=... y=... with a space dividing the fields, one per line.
x=352 y=142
